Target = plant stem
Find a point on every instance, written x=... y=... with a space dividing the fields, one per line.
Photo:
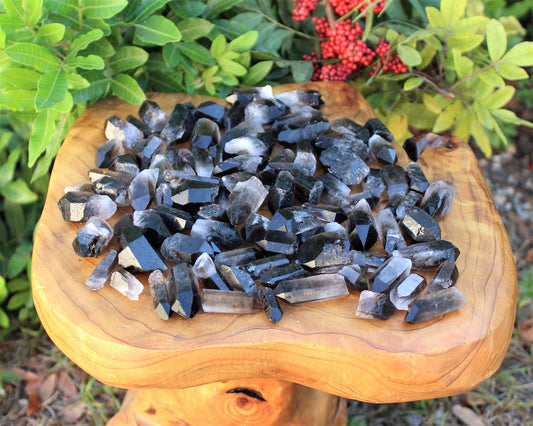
x=292 y=30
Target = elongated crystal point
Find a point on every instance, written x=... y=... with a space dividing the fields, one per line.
x=245 y=199
x=435 y=304
x=126 y=283
x=429 y=254
x=363 y=233
x=403 y=295
x=230 y=302
x=271 y=305
x=183 y=291
x=374 y=306
x=92 y=239
x=314 y=288
x=438 y=198
x=388 y=230
x=159 y=293
x=393 y=270
x=103 y=270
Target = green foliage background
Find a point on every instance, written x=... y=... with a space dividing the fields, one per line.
x=59 y=56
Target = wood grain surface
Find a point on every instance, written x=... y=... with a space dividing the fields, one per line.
x=320 y=345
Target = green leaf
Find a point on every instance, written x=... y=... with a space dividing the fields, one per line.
x=465 y=43
x=127 y=88
x=4 y=319
x=18 y=100
x=33 y=55
x=193 y=28
x=51 y=33
x=216 y=7
x=22 y=78
x=483 y=114
x=463 y=65
x=244 y=42
x=257 y=73
x=500 y=97
x=197 y=52
x=511 y=72
x=3 y=289
x=18 y=260
x=30 y=11
x=491 y=77
x=51 y=89
x=218 y=46
x=435 y=17
x=157 y=31
x=452 y=10
x=2 y=39
x=412 y=83
x=148 y=8
x=90 y=62
x=84 y=40
x=127 y=58
x=7 y=170
x=62 y=7
x=65 y=105
x=301 y=71
x=228 y=79
x=76 y=82
x=480 y=136
x=232 y=67
x=431 y=104
x=506 y=116
x=18 y=284
x=18 y=300
x=447 y=118
x=103 y=48
x=9 y=375
x=188 y=9
x=19 y=192
x=496 y=40
x=409 y=55
x=520 y=54
x=102 y=9
x=499 y=133
x=42 y=130
x=230 y=28
x=15 y=219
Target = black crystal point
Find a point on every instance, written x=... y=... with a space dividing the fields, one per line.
x=435 y=304
x=107 y=152
x=78 y=206
x=279 y=242
x=438 y=198
x=392 y=271
x=221 y=233
x=174 y=219
x=389 y=231
x=374 y=183
x=271 y=305
x=374 y=306
x=93 y=238
x=211 y=110
x=205 y=134
x=382 y=150
x=137 y=255
x=259 y=266
x=195 y=191
x=255 y=227
x=325 y=249
x=180 y=123
x=445 y=276
x=182 y=286
x=152 y=114
x=159 y=293
x=308 y=189
x=420 y=226
x=281 y=194
x=152 y=225
x=416 y=177
x=184 y=248
x=238 y=279
x=376 y=127
x=282 y=273
x=395 y=180
x=363 y=233
x=142 y=188
x=429 y=254
x=345 y=165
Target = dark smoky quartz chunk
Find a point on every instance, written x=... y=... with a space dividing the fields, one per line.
x=230 y=302
x=152 y=225
x=435 y=304
x=445 y=276
x=414 y=146
x=352 y=199
x=395 y=180
x=204 y=268
x=308 y=189
x=126 y=164
x=420 y=226
x=206 y=133
x=103 y=270
x=345 y=164
x=108 y=152
x=204 y=163
x=306 y=128
x=403 y=295
x=137 y=254
x=369 y=261
x=327 y=213
x=355 y=277
x=175 y=220
x=141 y=125
x=382 y=151
x=363 y=233
x=195 y=191
x=125 y=283
x=312 y=98
x=238 y=279
x=255 y=227
x=142 y=188
x=211 y=110
x=282 y=273
x=438 y=198
x=429 y=254
x=245 y=199
x=159 y=293
x=416 y=177
x=346 y=126
x=180 y=124
x=92 y=239
x=183 y=291
x=387 y=275
x=212 y=212
x=304 y=236
x=279 y=242
x=115 y=189
x=152 y=114
x=374 y=306
x=154 y=145
x=374 y=183
x=325 y=249
x=244 y=162
x=78 y=206
x=265 y=111
x=229 y=181
x=271 y=305
x=407 y=203
x=221 y=233
x=315 y=288
x=184 y=248
x=245 y=95
x=335 y=191
x=376 y=127
x=294 y=220
x=388 y=230
x=130 y=136
x=259 y=266
x=236 y=257
x=305 y=157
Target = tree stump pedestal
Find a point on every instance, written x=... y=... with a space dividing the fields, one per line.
x=219 y=367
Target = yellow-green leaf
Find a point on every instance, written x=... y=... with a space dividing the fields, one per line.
x=232 y=67
x=126 y=88
x=431 y=104
x=480 y=136
x=435 y=17
x=462 y=126
x=500 y=97
x=412 y=83
x=463 y=65
x=157 y=31
x=218 y=46
x=51 y=89
x=447 y=118
x=520 y=54
x=496 y=40
x=102 y=9
x=18 y=100
x=465 y=43
x=43 y=128
x=409 y=55
x=244 y=42
x=51 y=33
x=193 y=28
x=33 y=55
x=22 y=78
x=492 y=78
x=257 y=73
x=483 y=114
x=511 y=72
x=452 y=10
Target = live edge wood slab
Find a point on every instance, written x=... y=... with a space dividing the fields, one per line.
x=323 y=345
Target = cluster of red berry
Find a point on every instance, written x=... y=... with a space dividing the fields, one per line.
x=343 y=43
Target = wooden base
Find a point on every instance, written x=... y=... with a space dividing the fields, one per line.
x=260 y=402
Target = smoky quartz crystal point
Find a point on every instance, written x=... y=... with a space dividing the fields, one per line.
x=125 y=283
x=388 y=230
x=184 y=248
x=438 y=198
x=363 y=233
x=78 y=206
x=446 y=276
x=103 y=270
x=183 y=290
x=314 y=288
x=245 y=199
x=92 y=239
x=420 y=226
x=283 y=273
x=271 y=305
x=374 y=306
x=325 y=249
x=159 y=293
x=403 y=294
x=230 y=302
x=279 y=242
x=387 y=275
x=221 y=233
x=152 y=114
x=435 y=304
x=138 y=255
x=429 y=254
x=206 y=271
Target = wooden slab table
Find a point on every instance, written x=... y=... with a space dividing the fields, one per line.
x=292 y=372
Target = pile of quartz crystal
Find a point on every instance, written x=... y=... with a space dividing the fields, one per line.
x=282 y=204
